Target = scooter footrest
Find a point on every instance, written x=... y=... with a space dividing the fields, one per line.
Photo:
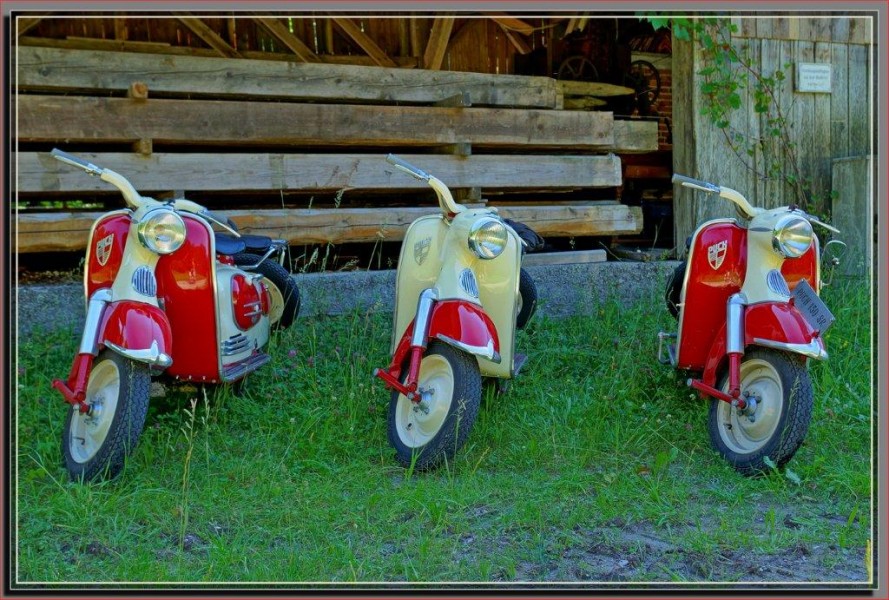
x=232 y=373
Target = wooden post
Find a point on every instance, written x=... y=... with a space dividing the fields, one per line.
x=438 y=43
x=852 y=213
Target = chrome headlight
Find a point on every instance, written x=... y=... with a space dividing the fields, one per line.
x=792 y=236
x=161 y=231
x=488 y=238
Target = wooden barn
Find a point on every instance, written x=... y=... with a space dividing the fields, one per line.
x=282 y=122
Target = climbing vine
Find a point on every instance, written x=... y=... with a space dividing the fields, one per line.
x=728 y=71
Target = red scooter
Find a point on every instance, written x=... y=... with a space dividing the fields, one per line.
x=157 y=272
x=750 y=317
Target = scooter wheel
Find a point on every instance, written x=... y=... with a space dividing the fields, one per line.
x=425 y=434
x=285 y=294
x=773 y=430
x=527 y=299
x=95 y=445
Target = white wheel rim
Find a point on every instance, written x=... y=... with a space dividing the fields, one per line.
x=418 y=424
x=88 y=432
x=276 y=304
x=746 y=433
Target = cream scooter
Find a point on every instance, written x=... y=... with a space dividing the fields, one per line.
x=464 y=267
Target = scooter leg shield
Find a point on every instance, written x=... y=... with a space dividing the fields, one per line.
x=138 y=331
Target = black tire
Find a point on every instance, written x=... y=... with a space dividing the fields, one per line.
x=89 y=456
x=446 y=438
x=673 y=292
x=527 y=299
x=746 y=444
x=283 y=284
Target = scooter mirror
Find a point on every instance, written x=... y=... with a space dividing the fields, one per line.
x=831 y=254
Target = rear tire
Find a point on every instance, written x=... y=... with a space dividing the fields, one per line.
x=780 y=421
x=282 y=288
x=96 y=446
x=527 y=299
x=424 y=438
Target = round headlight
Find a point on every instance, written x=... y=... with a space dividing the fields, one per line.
x=162 y=231
x=792 y=236
x=487 y=238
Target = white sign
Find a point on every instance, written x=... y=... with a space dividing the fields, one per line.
x=813 y=77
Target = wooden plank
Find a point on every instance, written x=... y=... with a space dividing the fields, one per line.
x=839 y=101
x=42 y=69
x=859 y=101
x=518 y=43
x=821 y=135
x=634 y=136
x=68 y=231
x=860 y=30
x=592 y=88
x=564 y=258
x=210 y=37
x=438 y=43
x=853 y=213
x=350 y=29
x=583 y=103
x=25 y=24
x=283 y=35
x=512 y=24
x=39 y=172
x=70 y=119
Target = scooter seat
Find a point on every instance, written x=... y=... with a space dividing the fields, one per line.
x=257 y=244
x=229 y=245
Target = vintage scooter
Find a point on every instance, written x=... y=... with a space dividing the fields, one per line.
x=464 y=266
x=750 y=317
x=156 y=272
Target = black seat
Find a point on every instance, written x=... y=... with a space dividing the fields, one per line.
x=257 y=244
x=229 y=244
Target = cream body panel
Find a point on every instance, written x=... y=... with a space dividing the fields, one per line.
x=258 y=334
x=135 y=255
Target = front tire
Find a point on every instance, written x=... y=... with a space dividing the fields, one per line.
x=427 y=433
x=527 y=299
x=285 y=295
x=95 y=446
x=775 y=429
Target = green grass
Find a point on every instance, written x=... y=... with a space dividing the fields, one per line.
x=596 y=465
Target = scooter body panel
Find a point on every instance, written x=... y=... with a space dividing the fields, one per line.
x=717 y=262
x=136 y=326
x=104 y=250
x=807 y=266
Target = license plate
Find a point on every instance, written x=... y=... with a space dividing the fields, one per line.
x=811 y=306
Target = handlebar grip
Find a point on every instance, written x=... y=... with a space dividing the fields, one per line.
x=696 y=183
x=407 y=167
x=76 y=162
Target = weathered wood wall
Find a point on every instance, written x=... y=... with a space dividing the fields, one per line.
x=824 y=126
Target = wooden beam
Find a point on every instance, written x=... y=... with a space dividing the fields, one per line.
x=283 y=35
x=210 y=37
x=38 y=172
x=635 y=136
x=188 y=122
x=518 y=43
x=58 y=70
x=68 y=231
x=348 y=27
x=596 y=89
x=25 y=24
x=437 y=45
x=512 y=24
x=583 y=103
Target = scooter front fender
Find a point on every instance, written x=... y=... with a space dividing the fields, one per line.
x=138 y=331
x=777 y=325
x=459 y=324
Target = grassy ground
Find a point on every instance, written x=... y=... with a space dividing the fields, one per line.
x=595 y=466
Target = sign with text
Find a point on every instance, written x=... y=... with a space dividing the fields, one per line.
x=813 y=77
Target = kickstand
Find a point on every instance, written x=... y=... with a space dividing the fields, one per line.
x=503 y=384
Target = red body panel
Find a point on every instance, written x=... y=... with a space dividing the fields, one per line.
x=185 y=287
x=135 y=326
x=804 y=267
x=100 y=276
x=456 y=319
x=709 y=289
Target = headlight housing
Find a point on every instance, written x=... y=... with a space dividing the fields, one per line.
x=161 y=231
x=488 y=238
x=792 y=236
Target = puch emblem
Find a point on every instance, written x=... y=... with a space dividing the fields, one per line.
x=421 y=250
x=716 y=253
x=103 y=249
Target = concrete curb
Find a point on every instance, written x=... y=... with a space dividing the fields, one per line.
x=564 y=290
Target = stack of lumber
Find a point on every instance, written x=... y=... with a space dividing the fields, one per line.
x=230 y=128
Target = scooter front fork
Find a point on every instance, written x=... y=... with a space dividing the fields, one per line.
x=735 y=350
x=74 y=390
x=418 y=346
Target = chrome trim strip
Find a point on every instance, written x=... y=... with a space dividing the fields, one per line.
x=734 y=338
x=89 y=339
x=424 y=312
x=483 y=351
x=152 y=356
x=813 y=349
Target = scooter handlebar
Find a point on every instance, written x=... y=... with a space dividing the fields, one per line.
x=407 y=167
x=723 y=192
x=697 y=184
x=75 y=161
